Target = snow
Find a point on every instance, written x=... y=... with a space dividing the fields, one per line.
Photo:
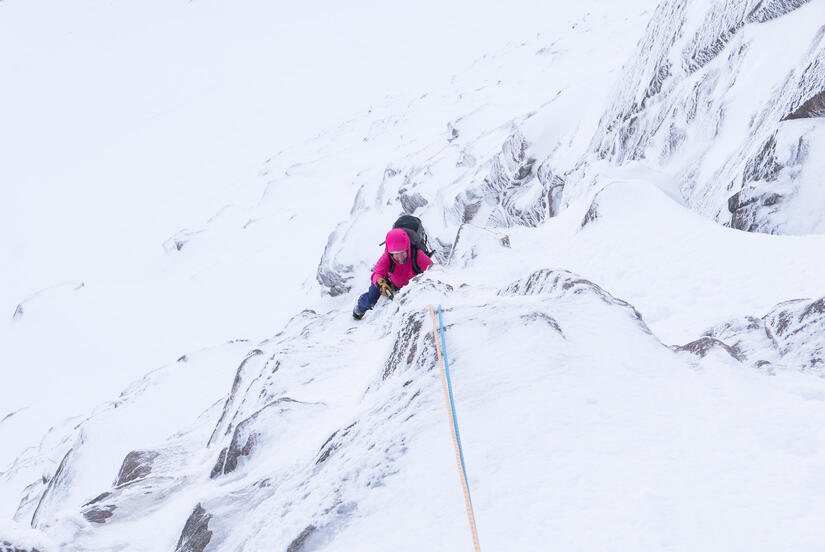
x=180 y=173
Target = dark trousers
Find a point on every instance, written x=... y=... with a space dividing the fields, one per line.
x=369 y=299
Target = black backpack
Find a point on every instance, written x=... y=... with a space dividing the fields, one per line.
x=418 y=240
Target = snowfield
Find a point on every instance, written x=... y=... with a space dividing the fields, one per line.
x=636 y=344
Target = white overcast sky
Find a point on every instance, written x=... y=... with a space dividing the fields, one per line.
x=123 y=121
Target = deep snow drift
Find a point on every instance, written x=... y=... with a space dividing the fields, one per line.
x=629 y=373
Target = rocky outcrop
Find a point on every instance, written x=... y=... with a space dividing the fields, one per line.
x=723 y=20
x=553 y=183
x=301 y=540
x=6 y=546
x=592 y=213
x=411 y=201
x=789 y=337
x=797 y=329
x=705 y=345
x=673 y=112
x=234 y=393
x=246 y=436
x=331 y=274
x=99 y=514
x=562 y=283
x=334 y=442
x=196 y=534
x=136 y=465
x=771 y=9
x=769 y=179
x=813 y=107
x=622 y=134
x=518 y=196
x=96 y=512
x=413 y=345
x=751 y=209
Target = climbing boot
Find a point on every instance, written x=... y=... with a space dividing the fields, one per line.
x=357 y=314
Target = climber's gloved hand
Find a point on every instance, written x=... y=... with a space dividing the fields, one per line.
x=386 y=287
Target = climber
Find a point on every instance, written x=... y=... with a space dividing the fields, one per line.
x=400 y=262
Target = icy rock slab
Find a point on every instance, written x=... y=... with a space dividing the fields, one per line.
x=196 y=534
x=136 y=465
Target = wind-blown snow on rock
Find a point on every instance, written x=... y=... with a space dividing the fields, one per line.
x=724 y=96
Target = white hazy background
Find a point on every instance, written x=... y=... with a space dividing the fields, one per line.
x=122 y=123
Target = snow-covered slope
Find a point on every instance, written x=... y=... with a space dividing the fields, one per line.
x=628 y=373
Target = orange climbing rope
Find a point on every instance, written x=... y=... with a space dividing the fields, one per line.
x=440 y=346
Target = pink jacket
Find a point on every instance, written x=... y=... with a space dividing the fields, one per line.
x=398 y=240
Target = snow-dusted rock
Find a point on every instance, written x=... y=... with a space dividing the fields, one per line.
x=559 y=283
x=789 y=337
x=708 y=95
x=196 y=534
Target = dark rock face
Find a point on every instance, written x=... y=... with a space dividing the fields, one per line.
x=467 y=204
x=798 y=329
x=332 y=443
x=300 y=541
x=764 y=165
x=99 y=514
x=98 y=498
x=592 y=213
x=228 y=458
x=749 y=208
x=95 y=512
x=704 y=345
x=554 y=185
x=411 y=337
x=245 y=437
x=411 y=201
x=196 y=534
x=136 y=465
x=218 y=469
x=789 y=337
x=765 y=11
x=813 y=107
x=764 y=184
x=704 y=53
x=6 y=546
